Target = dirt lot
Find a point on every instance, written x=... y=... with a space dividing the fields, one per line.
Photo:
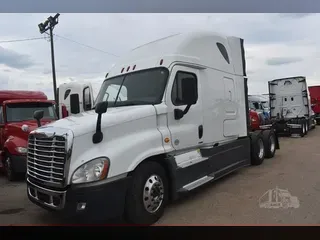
x=231 y=200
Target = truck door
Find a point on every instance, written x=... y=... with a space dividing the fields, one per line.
x=186 y=132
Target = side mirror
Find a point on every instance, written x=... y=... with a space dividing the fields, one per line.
x=38 y=115
x=74 y=103
x=189 y=87
x=100 y=108
x=64 y=111
x=189 y=91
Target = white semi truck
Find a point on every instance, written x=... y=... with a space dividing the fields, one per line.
x=182 y=122
x=290 y=106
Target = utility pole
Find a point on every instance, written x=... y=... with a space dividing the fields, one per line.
x=49 y=24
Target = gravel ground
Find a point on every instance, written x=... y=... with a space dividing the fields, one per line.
x=231 y=200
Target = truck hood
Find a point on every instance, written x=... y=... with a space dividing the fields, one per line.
x=85 y=122
x=15 y=128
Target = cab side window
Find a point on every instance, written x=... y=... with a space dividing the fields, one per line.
x=1 y=115
x=67 y=93
x=176 y=94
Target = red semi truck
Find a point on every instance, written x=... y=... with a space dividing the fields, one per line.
x=315 y=101
x=254 y=120
x=16 y=121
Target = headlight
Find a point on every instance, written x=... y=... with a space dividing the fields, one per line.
x=94 y=170
x=21 y=150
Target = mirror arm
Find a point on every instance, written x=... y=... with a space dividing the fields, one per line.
x=186 y=110
x=98 y=135
x=178 y=113
x=38 y=122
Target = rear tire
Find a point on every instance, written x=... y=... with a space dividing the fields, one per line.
x=302 y=129
x=269 y=140
x=306 y=124
x=147 y=195
x=257 y=150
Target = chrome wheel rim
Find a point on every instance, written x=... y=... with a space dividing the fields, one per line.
x=153 y=193
x=272 y=144
x=261 y=148
x=303 y=129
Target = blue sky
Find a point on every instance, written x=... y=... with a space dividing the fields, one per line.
x=277 y=45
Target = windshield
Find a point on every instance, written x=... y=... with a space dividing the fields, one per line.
x=18 y=112
x=138 y=88
x=251 y=105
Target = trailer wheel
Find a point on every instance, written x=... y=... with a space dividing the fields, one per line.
x=257 y=150
x=147 y=195
x=269 y=140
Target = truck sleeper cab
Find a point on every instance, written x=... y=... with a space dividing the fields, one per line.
x=16 y=121
x=290 y=106
x=69 y=93
x=182 y=121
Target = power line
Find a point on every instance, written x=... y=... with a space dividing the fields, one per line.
x=22 y=40
x=65 y=38
x=85 y=45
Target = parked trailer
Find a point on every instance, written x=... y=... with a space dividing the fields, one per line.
x=184 y=123
x=290 y=107
x=16 y=121
x=315 y=101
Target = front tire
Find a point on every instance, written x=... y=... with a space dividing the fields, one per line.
x=10 y=173
x=147 y=195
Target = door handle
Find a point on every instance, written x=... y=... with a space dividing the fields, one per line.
x=200 y=131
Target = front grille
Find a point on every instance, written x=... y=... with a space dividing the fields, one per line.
x=46 y=158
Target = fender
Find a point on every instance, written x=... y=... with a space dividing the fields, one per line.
x=254 y=134
x=13 y=142
x=139 y=140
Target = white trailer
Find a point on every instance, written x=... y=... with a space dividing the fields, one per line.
x=290 y=107
x=182 y=122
